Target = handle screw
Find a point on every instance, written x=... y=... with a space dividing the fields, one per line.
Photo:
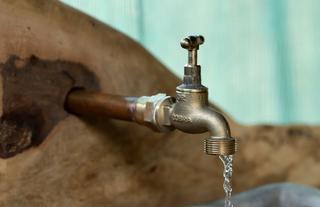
x=192 y=42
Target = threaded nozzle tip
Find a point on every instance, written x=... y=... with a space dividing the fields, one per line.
x=220 y=145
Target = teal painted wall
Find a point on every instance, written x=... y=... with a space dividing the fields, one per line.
x=260 y=60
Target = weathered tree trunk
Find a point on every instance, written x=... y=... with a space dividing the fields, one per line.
x=52 y=158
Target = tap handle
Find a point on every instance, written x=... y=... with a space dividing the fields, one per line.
x=192 y=76
x=192 y=42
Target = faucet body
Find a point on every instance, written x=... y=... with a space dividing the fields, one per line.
x=192 y=114
x=189 y=111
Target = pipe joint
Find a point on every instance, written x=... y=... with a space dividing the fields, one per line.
x=153 y=111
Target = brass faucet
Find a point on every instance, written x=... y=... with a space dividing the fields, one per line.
x=189 y=111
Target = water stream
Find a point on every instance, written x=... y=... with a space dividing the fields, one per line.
x=227 y=174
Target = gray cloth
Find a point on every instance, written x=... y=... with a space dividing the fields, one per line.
x=274 y=195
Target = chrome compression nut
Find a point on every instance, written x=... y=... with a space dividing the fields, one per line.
x=154 y=111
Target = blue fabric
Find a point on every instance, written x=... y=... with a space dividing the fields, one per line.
x=274 y=195
x=260 y=59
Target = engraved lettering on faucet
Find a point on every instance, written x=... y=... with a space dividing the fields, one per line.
x=181 y=97
x=181 y=118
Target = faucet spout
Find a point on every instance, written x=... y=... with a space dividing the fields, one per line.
x=191 y=113
x=220 y=141
x=216 y=123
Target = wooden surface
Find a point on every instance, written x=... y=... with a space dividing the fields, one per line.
x=96 y=163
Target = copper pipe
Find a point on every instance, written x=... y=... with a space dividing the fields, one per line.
x=97 y=104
